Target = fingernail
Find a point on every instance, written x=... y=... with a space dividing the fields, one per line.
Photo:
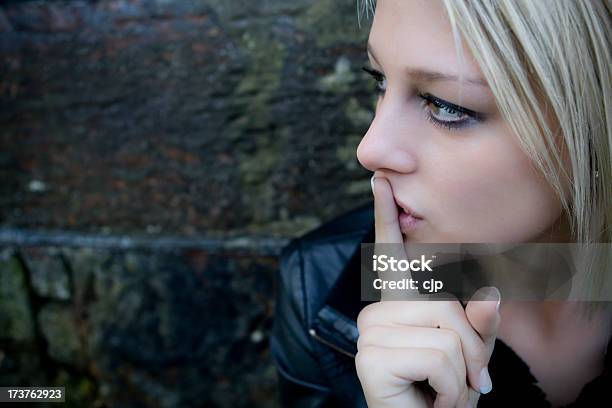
x=485 y=381
x=372 y=182
x=494 y=294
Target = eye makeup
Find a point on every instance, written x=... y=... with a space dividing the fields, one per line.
x=378 y=77
x=456 y=116
x=440 y=112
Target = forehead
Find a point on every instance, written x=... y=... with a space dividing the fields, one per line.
x=417 y=34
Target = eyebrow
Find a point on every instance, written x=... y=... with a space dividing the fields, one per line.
x=433 y=76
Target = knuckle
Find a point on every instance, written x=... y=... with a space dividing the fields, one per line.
x=451 y=342
x=369 y=336
x=439 y=360
x=369 y=359
x=454 y=307
x=452 y=395
x=363 y=340
x=367 y=317
x=444 y=308
x=371 y=368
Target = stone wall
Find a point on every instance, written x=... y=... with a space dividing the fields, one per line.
x=176 y=116
x=155 y=156
x=137 y=327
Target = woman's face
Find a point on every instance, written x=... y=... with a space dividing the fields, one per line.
x=463 y=173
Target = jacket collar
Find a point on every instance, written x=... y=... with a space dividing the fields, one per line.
x=335 y=323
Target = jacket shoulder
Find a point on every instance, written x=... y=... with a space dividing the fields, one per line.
x=311 y=264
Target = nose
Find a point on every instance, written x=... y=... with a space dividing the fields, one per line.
x=389 y=144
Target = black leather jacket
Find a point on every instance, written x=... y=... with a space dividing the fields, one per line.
x=314 y=338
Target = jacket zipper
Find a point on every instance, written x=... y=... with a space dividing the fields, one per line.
x=314 y=334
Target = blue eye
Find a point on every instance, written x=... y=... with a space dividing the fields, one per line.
x=443 y=112
x=448 y=115
x=381 y=81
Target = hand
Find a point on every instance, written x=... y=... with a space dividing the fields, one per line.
x=405 y=341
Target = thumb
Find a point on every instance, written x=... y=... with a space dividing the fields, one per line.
x=482 y=312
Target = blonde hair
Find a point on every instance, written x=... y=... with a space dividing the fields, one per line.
x=548 y=65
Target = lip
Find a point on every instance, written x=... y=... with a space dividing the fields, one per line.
x=407 y=209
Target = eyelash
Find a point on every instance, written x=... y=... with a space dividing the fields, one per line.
x=435 y=101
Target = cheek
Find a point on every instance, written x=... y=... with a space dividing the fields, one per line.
x=496 y=195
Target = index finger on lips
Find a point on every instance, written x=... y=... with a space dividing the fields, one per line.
x=389 y=239
x=385 y=212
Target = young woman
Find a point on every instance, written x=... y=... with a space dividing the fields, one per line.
x=493 y=124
